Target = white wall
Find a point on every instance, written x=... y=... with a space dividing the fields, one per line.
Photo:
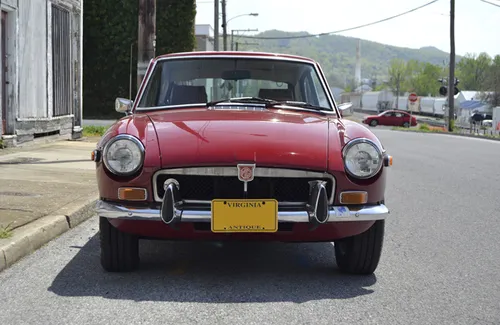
x=10 y=6
x=32 y=58
x=402 y=103
x=370 y=100
x=496 y=118
x=427 y=105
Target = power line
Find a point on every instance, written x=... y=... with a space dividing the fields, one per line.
x=491 y=3
x=344 y=30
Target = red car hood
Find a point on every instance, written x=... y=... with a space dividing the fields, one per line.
x=277 y=138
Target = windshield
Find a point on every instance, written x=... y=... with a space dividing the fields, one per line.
x=202 y=80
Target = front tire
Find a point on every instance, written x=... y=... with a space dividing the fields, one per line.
x=374 y=123
x=406 y=124
x=119 y=250
x=360 y=254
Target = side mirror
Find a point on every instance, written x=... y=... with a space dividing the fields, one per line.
x=123 y=105
x=345 y=109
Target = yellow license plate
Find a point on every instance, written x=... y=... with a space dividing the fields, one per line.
x=244 y=216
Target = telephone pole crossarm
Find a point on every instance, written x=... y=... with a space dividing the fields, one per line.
x=240 y=30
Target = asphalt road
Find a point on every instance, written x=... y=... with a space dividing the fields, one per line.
x=440 y=263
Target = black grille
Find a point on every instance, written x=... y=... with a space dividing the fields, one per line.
x=194 y=187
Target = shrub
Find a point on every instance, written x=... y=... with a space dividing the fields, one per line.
x=109 y=32
x=423 y=127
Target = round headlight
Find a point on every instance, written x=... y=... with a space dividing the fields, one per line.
x=123 y=155
x=362 y=158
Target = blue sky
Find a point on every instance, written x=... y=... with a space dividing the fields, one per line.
x=477 y=24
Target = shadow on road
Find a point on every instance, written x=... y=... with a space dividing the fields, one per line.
x=215 y=273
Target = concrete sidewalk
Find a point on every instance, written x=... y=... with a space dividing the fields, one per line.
x=45 y=190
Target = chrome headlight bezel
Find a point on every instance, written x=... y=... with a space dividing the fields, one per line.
x=351 y=144
x=135 y=142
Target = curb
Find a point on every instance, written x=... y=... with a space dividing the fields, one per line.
x=452 y=134
x=28 y=238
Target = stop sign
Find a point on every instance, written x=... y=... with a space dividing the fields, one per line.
x=412 y=97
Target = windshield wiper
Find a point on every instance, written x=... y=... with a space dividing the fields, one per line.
x=255 y=100
x=271 y=103
x=303 y=105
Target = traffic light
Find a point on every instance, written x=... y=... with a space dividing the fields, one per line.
x=443 y=90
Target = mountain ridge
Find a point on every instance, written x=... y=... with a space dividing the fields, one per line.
x=337 y=53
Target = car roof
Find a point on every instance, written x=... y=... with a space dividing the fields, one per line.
x=396 y=111
x=235 y=53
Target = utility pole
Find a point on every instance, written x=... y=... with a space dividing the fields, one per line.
x=224 y=23
x=232 y=39
x=216 y=25
x=451 y=79
x=146 y=42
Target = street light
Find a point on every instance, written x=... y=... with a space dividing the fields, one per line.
x=224 y=26
x=255 y=14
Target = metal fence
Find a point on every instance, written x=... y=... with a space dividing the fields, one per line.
x=61 y=61
x=477 y=129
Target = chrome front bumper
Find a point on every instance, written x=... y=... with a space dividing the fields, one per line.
x=335 y=214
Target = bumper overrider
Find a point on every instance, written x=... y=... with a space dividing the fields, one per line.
x=173 y=209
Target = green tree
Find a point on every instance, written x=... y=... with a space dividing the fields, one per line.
x=413 y=75
x=422 y=78
x=175 y=21
x=472 y=71
x=398 y=73
x=109 y=34
x=492 y=82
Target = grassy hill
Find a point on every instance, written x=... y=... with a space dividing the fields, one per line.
x=337 y=54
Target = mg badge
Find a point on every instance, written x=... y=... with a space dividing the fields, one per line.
x=245 y=172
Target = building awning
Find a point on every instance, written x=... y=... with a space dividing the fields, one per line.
x=475 y=105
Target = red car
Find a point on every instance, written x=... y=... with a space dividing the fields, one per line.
x=239 y=146
x=391 y=118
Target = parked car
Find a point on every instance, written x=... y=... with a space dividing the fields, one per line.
x=487 y=123
x=391 y=118
x=239 y=146
x=478 y=118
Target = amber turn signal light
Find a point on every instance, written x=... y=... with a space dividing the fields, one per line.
x=132 y=194
x=388 y=161
x=353 y=197
x=95 y=155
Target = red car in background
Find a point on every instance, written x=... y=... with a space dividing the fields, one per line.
x=391 y=118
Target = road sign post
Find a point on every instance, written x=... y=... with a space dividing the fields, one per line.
x=412 y=101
